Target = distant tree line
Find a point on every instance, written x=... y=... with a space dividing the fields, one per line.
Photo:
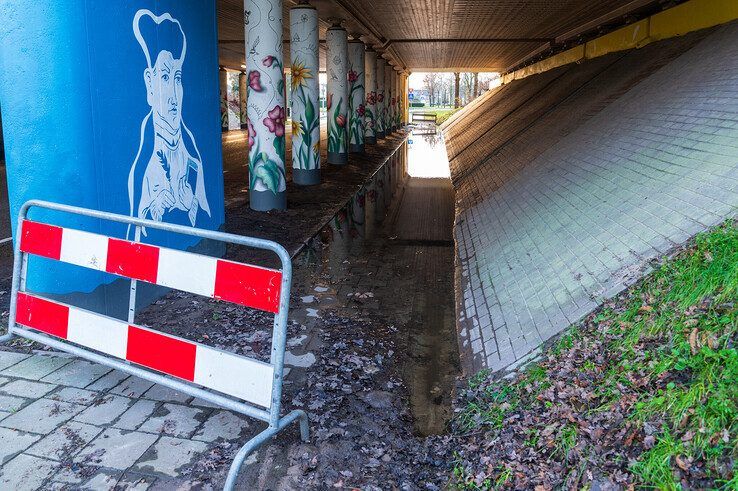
x=440 y=87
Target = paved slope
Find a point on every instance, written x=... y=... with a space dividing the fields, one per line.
x=562 y=200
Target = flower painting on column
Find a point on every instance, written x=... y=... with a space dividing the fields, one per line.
x=266 y=112
x=336 y=100
x=305 y=94
x=357 y=109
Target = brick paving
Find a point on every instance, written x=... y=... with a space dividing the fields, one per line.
x=574 y=180
x=65 y=424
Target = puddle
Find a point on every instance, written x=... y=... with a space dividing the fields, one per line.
x=389 y=255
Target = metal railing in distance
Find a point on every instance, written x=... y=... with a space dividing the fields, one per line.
x=183 y=365
x=425 y=118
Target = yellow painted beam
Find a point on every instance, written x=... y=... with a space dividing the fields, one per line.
x=677 y=21
x=572 y=55
x=692 y=16
x=632 y=36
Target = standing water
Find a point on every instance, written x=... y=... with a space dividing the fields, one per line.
x=394 y=261
x=424 y=227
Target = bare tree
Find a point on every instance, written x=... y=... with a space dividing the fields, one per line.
x=430 y=82
x=467 y=87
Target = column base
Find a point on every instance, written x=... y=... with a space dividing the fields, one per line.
x=337 y=158
x=354 y=148
x=370 y=140
x=223 y=130
x=267 y=200
x=244 y=126
x=306 y=177
x=380 y=135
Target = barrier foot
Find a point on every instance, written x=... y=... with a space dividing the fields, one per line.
x=265 y=435
x=6 y=337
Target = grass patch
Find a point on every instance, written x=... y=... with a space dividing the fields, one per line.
x=663 y=355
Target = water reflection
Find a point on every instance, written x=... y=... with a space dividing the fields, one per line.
x=422 y=156
x=362 y=217
x=428 y=156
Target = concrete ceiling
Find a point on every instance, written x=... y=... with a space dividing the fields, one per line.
x=440 y=35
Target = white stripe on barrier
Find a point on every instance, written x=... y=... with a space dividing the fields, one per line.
x=245 y=378
x=97 y=332
x=188 y=272
x=84 y=249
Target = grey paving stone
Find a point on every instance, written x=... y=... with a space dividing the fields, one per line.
x=116 y=449
x=8 y=358
x=136 y=415
x=73 y=473
x=132 y=387
x=13 y=442
x=221 y=424
x=26 y=472
x=27 y=388
x=36 y=366
x=11 y=403
x=165 y=394
x=105 y=410
x=4 y=380
x=108 y=381
x=169 y=455
x=202 y=402
x=65 y=441
x=41 y=416
x=4 y=414
x=119 y=481
x=79 y=373
x=75 y=395
x=174 y=420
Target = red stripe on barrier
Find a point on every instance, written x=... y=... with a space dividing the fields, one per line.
x=41 y=239
x=161 y=352
x=43 y=315
x=132 y=260
x=248 y=285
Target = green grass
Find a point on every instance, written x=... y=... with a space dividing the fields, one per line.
x=672 y=342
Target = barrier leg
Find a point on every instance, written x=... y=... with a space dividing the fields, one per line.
x=265 y=435
x=6 y=337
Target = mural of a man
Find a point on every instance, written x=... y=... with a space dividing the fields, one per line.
x=170 y=186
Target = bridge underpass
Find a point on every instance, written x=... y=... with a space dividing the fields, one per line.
x=557 y=191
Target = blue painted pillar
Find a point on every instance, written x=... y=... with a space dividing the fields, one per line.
x=112 y=106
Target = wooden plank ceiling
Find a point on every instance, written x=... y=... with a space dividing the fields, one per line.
x=434 y=35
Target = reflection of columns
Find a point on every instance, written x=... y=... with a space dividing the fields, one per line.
x=405 y=100
x=337 y=99
x=370 y=74
x=398 y=100
x=476 y=85
x=266 y=105
x=242 y=85
x=388 y=98
x=380 y=96
x=223 y=79
x=305 y=95
x=395 y=99
x=457 y=101
x=357 y=82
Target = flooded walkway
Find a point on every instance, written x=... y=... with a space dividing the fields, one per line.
x=402 y=273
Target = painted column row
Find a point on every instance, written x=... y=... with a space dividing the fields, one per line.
x=362 y=101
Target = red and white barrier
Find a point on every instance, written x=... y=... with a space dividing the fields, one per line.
x=245 y=378
x=244 y=284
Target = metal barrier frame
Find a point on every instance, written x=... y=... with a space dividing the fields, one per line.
x=279 y=335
